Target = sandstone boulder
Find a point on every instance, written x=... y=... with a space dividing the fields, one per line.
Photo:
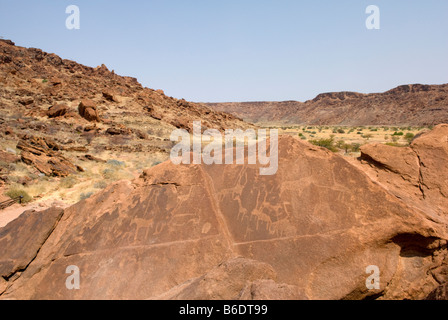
x=110 y=96
x=87 y=109
x=57 y=110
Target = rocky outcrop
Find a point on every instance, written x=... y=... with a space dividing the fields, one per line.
x=417 y=173
x=43 y=154
x=225 y=232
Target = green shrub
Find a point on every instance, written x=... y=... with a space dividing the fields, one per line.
x=68 y=182
x=109 y=173
x=14 y=193
x=395 y=144
x=398 y=133
x=86 y=195
x=409 y=136
x=355 y=147
x=100 y=184
x=325 y=143
x=116 y=163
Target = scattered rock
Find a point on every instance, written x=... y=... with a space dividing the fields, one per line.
x=118 y=130
x=153 y=113
x=26 y=101
x=92 y=158
x=8 y=157
x=140 y=134
x=110 y=96
x=57 y=110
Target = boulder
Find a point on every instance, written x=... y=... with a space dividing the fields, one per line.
x=118 y=129
x=57 y=110
x=25 y=101
x=110 y=96
x=87 y=109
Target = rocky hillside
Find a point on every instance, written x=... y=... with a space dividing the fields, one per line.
x=39 y=84
x=408 y=105
x=59 y=118
x=308 y=232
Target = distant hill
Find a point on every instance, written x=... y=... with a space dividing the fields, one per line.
x=417 y=104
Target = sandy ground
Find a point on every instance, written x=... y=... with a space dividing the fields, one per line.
x=9 y=214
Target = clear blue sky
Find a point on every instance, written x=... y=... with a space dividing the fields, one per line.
x=244 y=50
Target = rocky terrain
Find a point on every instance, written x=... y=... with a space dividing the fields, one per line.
x=200 y=231
x=407 y=105
x=225 y=232
x=59 y=118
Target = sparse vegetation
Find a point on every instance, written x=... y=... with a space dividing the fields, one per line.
x=68 y=182
x=409 y=137
x=354 y=137
x=325 y=143
x=16 y=192
x=100 y=184
x=85 y=195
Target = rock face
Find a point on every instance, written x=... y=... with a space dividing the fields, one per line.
x=417 y=173
x=416 y=105
x=225 y=232
x=21 y=239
